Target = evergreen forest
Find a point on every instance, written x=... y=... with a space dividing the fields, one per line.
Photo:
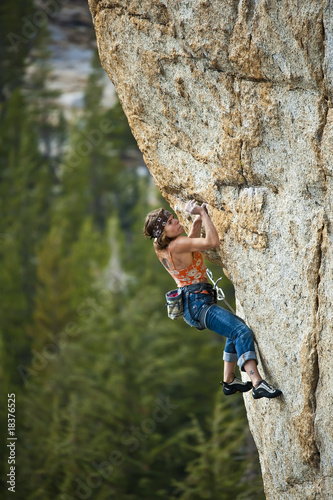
x=113 y=400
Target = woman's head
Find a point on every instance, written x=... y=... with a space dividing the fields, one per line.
x=154 y=227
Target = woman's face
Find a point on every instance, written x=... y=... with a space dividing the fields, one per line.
x=172 y=228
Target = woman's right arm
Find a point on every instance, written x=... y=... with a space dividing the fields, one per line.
x=211 y=239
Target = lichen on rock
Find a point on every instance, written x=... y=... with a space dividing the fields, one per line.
x=230 y=102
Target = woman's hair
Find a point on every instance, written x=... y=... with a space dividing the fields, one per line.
x=161 y=241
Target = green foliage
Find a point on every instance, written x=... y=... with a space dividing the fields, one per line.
x=26 y=190
x=14 y=46
x=130 y=397
x=225 y=443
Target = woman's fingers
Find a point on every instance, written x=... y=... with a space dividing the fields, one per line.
x=205 y=205
x=190 y=206
x=193 y=208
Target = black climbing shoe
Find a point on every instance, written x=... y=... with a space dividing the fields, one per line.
x=265 y=390
x=236 y=386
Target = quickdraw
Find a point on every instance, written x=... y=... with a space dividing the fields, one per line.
x=219 y=292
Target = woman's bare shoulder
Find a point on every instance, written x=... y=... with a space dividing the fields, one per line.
x=178 y=244
x=163 y=256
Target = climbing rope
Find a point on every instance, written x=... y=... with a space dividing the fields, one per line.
x=219 y=292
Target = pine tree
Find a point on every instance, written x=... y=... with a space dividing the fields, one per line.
x=16 y=44
x=25 y=187
x=220 y=468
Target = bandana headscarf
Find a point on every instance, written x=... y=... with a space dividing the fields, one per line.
x=160 y=224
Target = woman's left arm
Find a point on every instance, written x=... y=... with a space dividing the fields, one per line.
x=183 y=244
x=196 y=228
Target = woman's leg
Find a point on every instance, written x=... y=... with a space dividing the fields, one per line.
x=251 y=369
x=230 y=366
x=239 y=345
x=229 y=371
x=231 y=384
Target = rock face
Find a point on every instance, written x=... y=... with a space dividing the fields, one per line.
x=230 y=102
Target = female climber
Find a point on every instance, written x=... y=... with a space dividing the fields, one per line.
x=182 y=258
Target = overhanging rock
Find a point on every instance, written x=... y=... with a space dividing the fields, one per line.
x=231 y=103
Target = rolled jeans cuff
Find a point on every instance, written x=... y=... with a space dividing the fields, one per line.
x=230 y=356
x=246 y=357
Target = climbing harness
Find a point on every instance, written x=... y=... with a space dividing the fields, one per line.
x=219 y=292
x=174 y=298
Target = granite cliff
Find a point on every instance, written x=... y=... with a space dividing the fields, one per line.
x=230 y=102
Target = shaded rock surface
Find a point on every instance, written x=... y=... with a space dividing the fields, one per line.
x=231 y=103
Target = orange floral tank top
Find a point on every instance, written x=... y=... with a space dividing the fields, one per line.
x=194 y=273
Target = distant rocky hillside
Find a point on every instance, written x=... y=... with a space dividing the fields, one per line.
x=72 y=44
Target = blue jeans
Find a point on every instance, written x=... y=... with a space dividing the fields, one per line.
x=200 y=311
